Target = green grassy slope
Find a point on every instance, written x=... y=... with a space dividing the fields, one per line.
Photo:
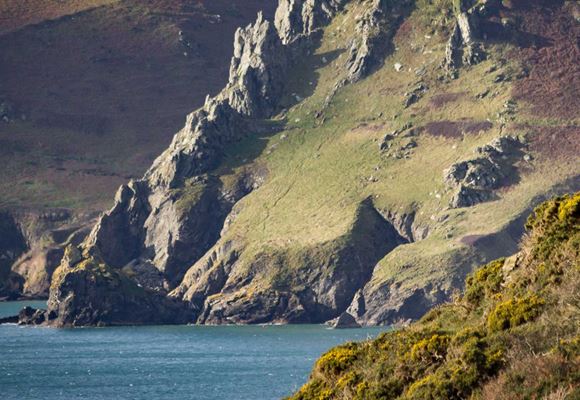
x=515 y=334
x=326 y=161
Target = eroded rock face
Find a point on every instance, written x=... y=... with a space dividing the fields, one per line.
x=296 y=19
x=257 y=70
x=31 y=247
x=373 y=33
x=473 y=181
x=464 y=45
x=344 y=321
x=88 y=292
x=362 y=53
x=12 y=245
x=226 y=287
x=162 y=224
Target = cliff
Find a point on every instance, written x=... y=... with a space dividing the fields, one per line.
x=363 y=157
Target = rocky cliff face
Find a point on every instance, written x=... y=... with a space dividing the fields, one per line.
x=155 y=226
x=226 y=287
x=32 y=246
x=464 y=45
x=298 y=19
x=237 y=222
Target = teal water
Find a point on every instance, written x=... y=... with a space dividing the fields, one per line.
x=162 y=362
x=10 y=308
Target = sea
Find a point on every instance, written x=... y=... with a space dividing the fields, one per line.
x=161 y=362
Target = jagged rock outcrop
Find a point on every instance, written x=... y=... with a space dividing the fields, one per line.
x=464 y=45
x=473 y=181
x=31 y=247
x=160 y=225
x=297 y=19
x=86 y=291
x=257 y=70
x=151 y=219
x=12 y=245
x=362 y=52
x=344 y=321
x=373 y=32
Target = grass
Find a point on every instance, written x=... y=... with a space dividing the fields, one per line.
x=321 y=169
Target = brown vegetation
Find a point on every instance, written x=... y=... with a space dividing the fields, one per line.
x=549 y=50
x=100 y=93
x=456 y=129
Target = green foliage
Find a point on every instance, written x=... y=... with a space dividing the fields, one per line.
x=338 y=360
x=430 y=350
x=554 y=222
x=514 y=312
x=485 y=282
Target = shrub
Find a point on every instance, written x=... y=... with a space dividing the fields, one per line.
x=431 y=387
x=430 y=350
x=338 y=360
x=514 y=312
x=554 y=222
x=484 y=282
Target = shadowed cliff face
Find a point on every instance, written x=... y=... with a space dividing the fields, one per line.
x=315 y=182
x=312 y=285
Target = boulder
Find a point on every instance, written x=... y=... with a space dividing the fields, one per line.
x=343 y=321
x=31 y=316
x=473 y=181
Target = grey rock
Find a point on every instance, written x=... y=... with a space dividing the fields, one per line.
x=390 y=304
x=257 y=70
x=8 y=112
x=344 y=321
x=415 y=94
x=473 y=181
x=31 y=316
x=165 y=222
x=384 y=143
x=92 y=293
x=217 y=287
x=464 y=46
x=364 y=51
x=298 y=19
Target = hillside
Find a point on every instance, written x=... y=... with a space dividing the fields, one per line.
x=91 y=92
x=363 y=157
x=514 y=334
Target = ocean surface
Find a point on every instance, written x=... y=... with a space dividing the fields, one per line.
x=161 y=362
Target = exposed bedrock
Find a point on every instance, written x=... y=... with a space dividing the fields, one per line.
x=298 y=19
x=464 y=46
x=163 y=223
x=31 y=247
x=404 y=296
x=86 y=291
x=474 y=181
x=372 y=39
x=12 y=245
x=288 y=285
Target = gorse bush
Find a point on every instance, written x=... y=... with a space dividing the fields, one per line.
x=514 y=312
x=485 y=282
x=476 y=346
